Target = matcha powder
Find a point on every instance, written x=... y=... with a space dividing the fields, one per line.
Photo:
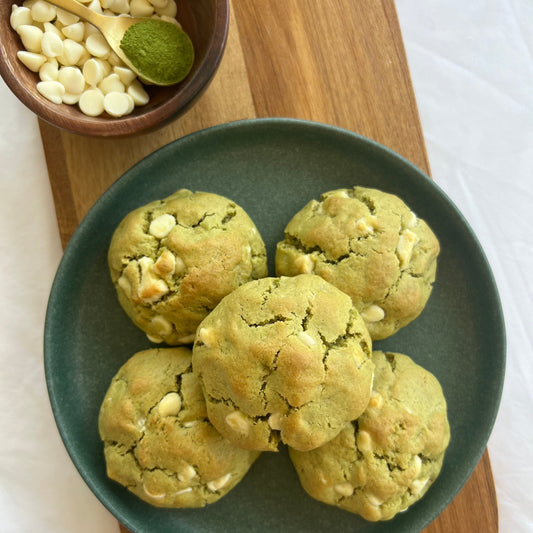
x=161 y=51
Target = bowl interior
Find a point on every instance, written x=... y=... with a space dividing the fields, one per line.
x=206 y=22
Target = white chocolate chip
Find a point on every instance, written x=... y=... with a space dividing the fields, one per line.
x=344 y=489
x=19 y=16
x=238 y=422
x=111 y=83
x=31 y=37
x=51 y=44
x=72 y=79
x=43 y=11
x=75 y=31
x=169 y=405
x=52 y=28
x=154 y=338
x=93 y=72
x=153 y=495
x=418 y=485
x=32 y=60
x=118 y=104
x=306 y=338
x=141 y=8
x=71 y=98
x=410 y=220
x=187 y=473
x=366 y=224
x=274 y=421
x=72 y=53
x=364 y=441
x=97 y=45
x=170 y=10
x=151 y=288
x=406 y=243
x=49 y=71
x=218 y=483
x=374 y=500
x=126 y=75
x=165 y=264
x=304 y=264
x=120 y=6
x=138 y=93
x=373 y=313
x=161 y=325
x=376 y=400
x=66 y=18
x=92 y=104
x=95 y=6
x=52 y=90
x=161 y=226
x=207 y=337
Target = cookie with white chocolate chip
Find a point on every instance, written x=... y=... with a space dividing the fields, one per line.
x=369 y=244
x=386 y=460
x=283 y=359
x=173 y=260
x=157 y=439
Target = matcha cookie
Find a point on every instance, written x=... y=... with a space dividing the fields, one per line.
x=371 y=246
x=173 y=260
x=387 y=459
x=157 y=440
x=283 y=359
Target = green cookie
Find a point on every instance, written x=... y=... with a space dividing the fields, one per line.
x=157 y=440
x=387 y=459
x=173 y=260
x=370 y=245
x=283 y=359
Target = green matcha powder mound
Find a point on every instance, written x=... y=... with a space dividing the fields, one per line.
x=161 y=51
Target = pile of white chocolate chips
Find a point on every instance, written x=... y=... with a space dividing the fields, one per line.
x=75 y=64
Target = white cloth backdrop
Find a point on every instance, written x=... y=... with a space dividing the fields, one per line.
x=472 y=69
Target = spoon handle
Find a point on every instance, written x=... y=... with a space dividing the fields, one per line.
x=78 y=9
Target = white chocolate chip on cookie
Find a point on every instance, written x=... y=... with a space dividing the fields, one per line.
x=364 y=441
x=274 y=421
x=151 y=288
x=344 y=489
x=306 y=338
x=206 y=336
x=165 y=264
x=169 y=405
x=218 y=483
x=187 y=473
x=238 y=422
x=406 y=243
x=160 y=227
x=373 y=313
x=304 y=264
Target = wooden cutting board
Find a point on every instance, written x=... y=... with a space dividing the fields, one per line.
x=339 y=62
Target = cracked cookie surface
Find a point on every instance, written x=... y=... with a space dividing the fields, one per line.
x=387 y=459
x=369 y=244
x=284 y=359
x=157 y=440
x=173 y=260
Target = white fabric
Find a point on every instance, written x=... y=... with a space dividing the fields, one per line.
x=472 y=69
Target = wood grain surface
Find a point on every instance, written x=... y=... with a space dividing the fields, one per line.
x=339 y=62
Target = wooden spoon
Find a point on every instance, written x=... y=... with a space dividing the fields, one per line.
x=113 y=29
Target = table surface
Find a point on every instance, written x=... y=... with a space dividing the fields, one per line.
x=372 y=95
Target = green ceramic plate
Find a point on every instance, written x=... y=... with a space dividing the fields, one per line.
x=272 y=167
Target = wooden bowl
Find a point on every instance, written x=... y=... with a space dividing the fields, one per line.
x=206 y=22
